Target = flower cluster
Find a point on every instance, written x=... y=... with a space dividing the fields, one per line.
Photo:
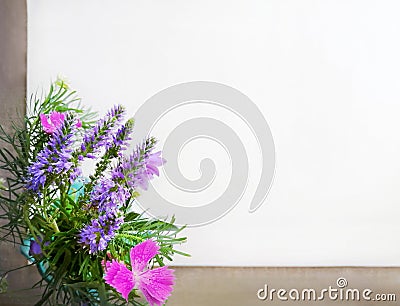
x=83 y=232
x=99 y=232
x=106 y=198
x=111 y=192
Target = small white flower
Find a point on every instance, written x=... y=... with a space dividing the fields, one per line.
x=62 y=81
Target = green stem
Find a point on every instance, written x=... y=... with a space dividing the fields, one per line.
x=62 y=195
x=55 y=226
x=27 y=221
x=127 y=236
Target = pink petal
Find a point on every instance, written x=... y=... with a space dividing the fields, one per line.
x=157 y=284
x=78 y=123
x=142 y=253
x=119 y=277
x=57 y=119
x=149 y=298
x=47 y=127
x=51 y=123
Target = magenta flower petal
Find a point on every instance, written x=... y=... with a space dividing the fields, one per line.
x=152 y=301
x=119 y=277
x=57 y=119
x=47 y=127
x=142 y=253
x=78 y=123
x=157 y=284
x=53 y=122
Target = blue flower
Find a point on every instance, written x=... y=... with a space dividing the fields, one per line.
x=100 y=232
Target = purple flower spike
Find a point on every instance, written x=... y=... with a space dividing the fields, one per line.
x=55 y=158
x=148 y=169
x=101 y=135
x=156 y=284
x=100 y=232
x=141 y=166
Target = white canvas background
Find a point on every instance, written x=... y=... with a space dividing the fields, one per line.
x=325 y=74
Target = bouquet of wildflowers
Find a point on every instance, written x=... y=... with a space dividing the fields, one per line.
x=82 y=232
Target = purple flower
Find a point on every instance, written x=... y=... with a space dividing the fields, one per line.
x=107 y=195
x=149 y=169
x=156 y=284
x=140 y=167
x=121 y=138
x=101 y=134
x=35 y=248
x=100 y=232
x=55 y=158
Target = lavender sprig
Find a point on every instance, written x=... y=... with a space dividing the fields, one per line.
x=106 y=198
x=100 y=232
x=119 y=144
x=56 y=158
x=111 y=194
x=101 y=134
x=140 y=167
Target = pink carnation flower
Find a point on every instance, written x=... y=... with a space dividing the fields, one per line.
x=53 y=122
x=156 y=284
